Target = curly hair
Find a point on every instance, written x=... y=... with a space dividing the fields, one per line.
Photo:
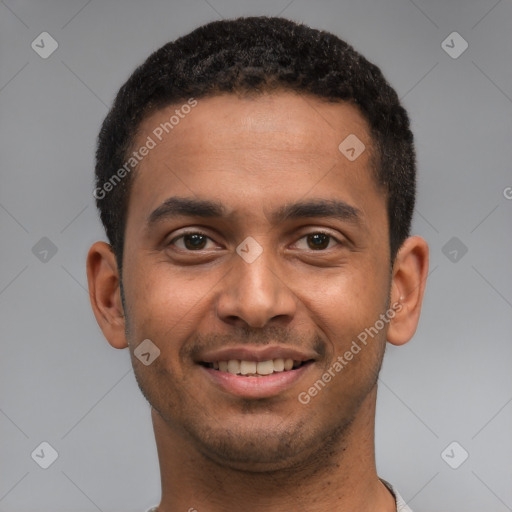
x=254 y=55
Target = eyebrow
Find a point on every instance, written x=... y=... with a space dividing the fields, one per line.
x=337 y=209
x=186 y=207
x=190 y=207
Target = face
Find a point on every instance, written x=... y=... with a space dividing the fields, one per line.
x=251 y=237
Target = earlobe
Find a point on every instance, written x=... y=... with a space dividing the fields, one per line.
x=410 y=272
x=104 y=293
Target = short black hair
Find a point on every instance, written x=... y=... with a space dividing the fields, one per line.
x=254 y=55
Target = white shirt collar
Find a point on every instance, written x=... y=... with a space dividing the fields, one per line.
x=401 y=506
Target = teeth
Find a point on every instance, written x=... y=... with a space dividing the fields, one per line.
x=234 y=366
x=253 y=368
x=265 y=367
x=278 y=365
x=247 y=367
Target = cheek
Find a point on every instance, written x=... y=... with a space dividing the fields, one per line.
x=349 y=296
x=346 y=304
x=164 y=305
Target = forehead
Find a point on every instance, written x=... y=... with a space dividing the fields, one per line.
x=311 y=123
x=253 y=145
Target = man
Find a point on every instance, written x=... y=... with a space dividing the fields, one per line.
x=256 y=180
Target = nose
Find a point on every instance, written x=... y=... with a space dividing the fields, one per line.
x=255 y=294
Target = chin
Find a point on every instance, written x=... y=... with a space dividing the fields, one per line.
x=254 y=458
x=249 y=443
x=264 y=448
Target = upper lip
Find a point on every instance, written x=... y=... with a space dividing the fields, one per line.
x=255 y=353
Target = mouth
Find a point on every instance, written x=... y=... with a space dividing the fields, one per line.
x=248 y=368
x=255 y=372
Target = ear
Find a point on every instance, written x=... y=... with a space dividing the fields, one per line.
x=410 y=271
x=105 y=293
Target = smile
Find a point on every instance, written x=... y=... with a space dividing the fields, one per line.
x=255 y=368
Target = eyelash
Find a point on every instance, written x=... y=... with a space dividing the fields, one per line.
x=331 y=237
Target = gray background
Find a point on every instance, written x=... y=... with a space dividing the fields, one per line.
x=60 y=381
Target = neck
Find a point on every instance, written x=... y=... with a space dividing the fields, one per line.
x=343 y=479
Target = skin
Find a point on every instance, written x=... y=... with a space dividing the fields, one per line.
x=219 y=451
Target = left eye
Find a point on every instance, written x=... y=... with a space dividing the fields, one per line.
x=191 y=241
x=318 y=241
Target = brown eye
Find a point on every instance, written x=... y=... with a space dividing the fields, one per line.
x=191 y=241
x=318 y=241
x=194 y=241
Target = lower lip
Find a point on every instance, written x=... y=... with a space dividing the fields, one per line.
x=256 y=387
